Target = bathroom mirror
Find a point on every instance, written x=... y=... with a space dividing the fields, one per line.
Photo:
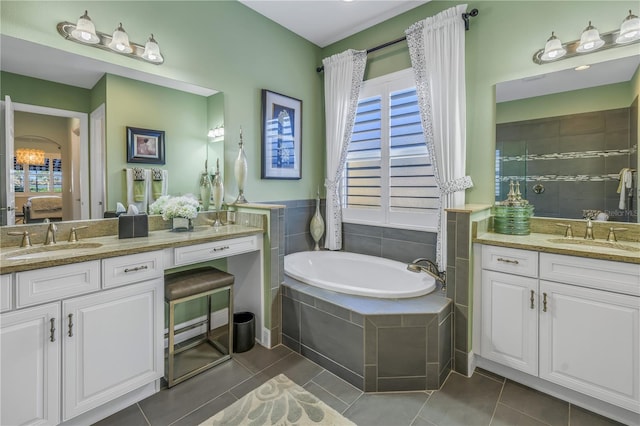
x=52 y=66
x=566 y=136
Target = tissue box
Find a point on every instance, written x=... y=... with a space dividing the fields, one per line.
x=132 y=226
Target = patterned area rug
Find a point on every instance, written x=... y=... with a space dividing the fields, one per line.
x=278 y=402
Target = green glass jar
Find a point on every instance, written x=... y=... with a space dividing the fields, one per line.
x=512 y=220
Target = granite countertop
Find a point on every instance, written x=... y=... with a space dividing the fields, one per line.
x=622 y=251
x=111 y=246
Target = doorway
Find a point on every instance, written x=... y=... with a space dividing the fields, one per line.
x=69 y=130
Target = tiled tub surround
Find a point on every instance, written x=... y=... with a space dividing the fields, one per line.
x=376 y=345
x=402 y=245
x=577 y=158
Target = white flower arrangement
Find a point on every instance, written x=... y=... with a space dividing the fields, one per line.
x=157 y=207
x=184 y=206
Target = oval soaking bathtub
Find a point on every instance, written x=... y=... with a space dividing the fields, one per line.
x=357 y=274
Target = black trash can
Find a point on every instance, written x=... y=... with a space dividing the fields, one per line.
x=244 y=331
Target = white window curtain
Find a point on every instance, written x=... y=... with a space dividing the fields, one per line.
x=343 y=74
x=437 y=50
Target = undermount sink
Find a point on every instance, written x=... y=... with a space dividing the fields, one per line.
x=47 y=251
x=594 y=243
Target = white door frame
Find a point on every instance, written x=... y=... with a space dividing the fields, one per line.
x=79 y=189
x=97 y=159
x=8 y=190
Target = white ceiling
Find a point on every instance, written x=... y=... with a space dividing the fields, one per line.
x=26 y=58
x=324 y=22
x=599 y=74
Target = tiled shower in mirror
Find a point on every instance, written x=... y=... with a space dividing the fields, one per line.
x=571 y=166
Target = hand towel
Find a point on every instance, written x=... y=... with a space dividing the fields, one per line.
x=157 y=187
x=625 y=183
x=137 y=187
x=156 y=183
x=139 y=193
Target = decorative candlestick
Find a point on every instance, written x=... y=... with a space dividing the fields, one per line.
x=218 y=194
x=240 y=171
x=317 y=223
x=205 y=188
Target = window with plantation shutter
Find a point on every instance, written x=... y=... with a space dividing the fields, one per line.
x=39 y=179
x=388 y=178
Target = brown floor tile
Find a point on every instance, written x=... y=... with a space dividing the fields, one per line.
x=463 y=401
x=506 y=416
x=386 y=409
x=130 y=416
x=538 y=405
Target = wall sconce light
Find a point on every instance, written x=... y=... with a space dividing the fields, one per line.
x=590 y=41
x=27 y=157
x=84 y=32
x=217 y=132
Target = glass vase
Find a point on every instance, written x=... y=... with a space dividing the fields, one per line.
x=181 y=224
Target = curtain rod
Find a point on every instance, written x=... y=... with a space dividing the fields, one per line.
x=465 y=18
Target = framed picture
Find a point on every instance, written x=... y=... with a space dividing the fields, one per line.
x=281 y=136
x=145 y=146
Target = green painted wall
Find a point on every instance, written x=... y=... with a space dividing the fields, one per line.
x=99 y=93
x=182 y=116
x=44 y=93
x=218 y=44
x=499 y=46
x=602 y=98
x=231 y=48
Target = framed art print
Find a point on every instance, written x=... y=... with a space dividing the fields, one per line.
x=281 y=136
x=145 y=146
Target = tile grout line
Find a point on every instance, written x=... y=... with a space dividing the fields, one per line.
x=329 y=392
x=495 y=408
x=422 y=408
x=143 y=414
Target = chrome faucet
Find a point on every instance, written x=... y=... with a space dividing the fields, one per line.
x=50 y=237
x=431 y=269
x=588 y=233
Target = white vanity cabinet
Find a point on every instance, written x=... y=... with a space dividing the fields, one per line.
x=112 y=344
x=80 y=347
x=571 y=321
x=510 y=320
x=30 y=366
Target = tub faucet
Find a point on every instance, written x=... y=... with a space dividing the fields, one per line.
x=430 y=268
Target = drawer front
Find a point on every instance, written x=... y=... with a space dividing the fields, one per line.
x=6 y=292
x=595 y=273
x=203 y=252
x=510 y=260
x=118 y=271
x=58 y=282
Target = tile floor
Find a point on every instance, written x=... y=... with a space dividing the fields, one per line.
x=483 y=399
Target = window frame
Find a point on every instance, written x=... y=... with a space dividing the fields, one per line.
x=384 y=216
